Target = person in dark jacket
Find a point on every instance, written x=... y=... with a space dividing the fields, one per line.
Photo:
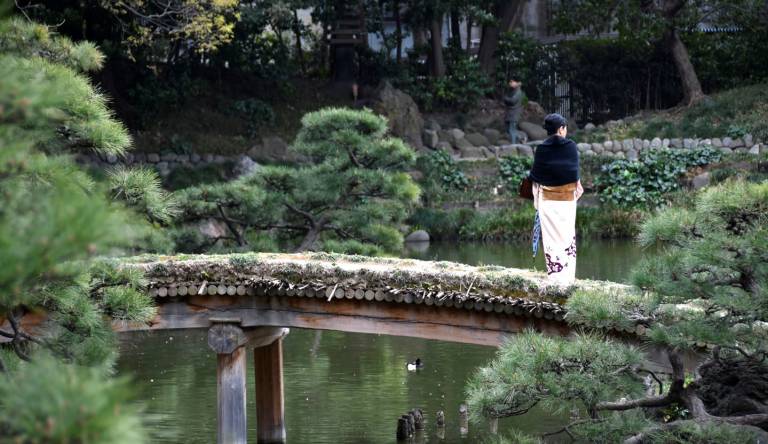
x=556 y=188
x=514 y=103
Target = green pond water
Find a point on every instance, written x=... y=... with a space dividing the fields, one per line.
x=345 y=387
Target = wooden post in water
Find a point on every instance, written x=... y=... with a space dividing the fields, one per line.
x=268 y=371
x=227 y=339
x=463 y=420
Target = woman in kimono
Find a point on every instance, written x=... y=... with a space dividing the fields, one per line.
x=556 y=188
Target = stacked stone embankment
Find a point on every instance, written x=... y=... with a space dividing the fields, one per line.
x=164 y=163
x=492 y=143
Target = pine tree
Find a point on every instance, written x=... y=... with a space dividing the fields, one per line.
x=54 y=221
x=351 y=195
x=705 y=292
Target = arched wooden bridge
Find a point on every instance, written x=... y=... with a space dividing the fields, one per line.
x=252 y=299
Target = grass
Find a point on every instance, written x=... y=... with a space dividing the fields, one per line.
x=731 y=113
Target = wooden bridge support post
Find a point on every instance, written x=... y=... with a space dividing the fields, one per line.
x=268 y=372
x=228 y=340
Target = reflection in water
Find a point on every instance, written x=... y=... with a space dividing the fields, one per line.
x=597 y=259
x=343 y=387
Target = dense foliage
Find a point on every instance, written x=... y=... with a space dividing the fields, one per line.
x=513 y=169
x=648 y=181
x=442 y=170
x=705 y=286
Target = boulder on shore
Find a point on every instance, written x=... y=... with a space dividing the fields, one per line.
x=418 y=236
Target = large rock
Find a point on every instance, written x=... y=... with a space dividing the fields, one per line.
x=700 y=181
x=533 y=112
x=462 y=143
x=533 y=130
x=524 y=150
x=493 y=135
x=418 y=236
x=272 y=148
x=402 y=113
x=432 y=124
x=245 y=166
x=472 y=152
x=445 y=146
x=506 y=150
x=430 y=138
x=477 y=139
x=455 y=134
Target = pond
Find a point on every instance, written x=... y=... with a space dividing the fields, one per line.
x=345 y=387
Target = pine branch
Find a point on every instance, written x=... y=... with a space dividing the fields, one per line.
x=567 y=428
x=230 y=224
x=309 y=217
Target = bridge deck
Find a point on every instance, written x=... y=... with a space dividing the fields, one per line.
x=434 y=300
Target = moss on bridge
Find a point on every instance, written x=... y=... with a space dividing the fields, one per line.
x=492 y=288
x=331 y=268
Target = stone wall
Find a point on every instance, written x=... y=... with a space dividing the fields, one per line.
x=473 y=146
x=166 y=162
x=493 y=143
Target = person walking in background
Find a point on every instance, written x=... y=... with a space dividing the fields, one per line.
x=556 y=188
x=514 y=103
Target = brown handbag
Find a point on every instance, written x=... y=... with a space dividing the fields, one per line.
x=525 y=190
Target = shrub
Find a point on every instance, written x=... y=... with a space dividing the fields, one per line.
x=257 y=112
x=647 y=182
x=440 y=168
x=513 y=169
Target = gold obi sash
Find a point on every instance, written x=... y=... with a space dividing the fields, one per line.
x=565 y=192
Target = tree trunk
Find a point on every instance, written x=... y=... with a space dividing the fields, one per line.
x=692 y=92
x=436 y=60
x=508 y=12
x=297 y=34
x=310 y=238
x=455 y=28
x=469 y=35
x=398 y=30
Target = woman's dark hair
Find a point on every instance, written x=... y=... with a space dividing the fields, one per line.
x=553 y=122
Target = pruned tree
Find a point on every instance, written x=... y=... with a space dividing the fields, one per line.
x=703 y=293
x=352 y=195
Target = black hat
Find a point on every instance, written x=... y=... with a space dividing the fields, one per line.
x=553 y=122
